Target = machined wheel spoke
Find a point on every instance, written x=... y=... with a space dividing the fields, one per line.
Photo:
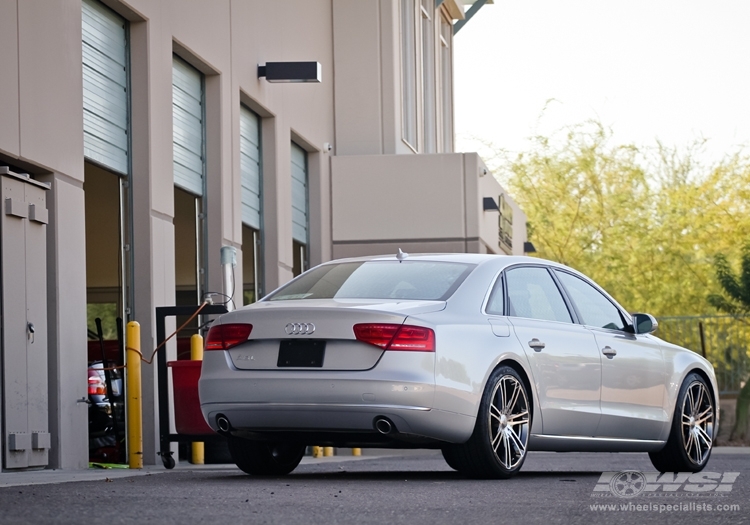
x=496 y=440
x=685 y=419
x=699 y=400
x=494 y=412
x=513 y=400
x=501 y=391
x=519 y=419
x=506 y=444
x=704 y=436
x=517 y=441
x=690 y=401
x=699 y=451
x=689 y=443
x=705 y=415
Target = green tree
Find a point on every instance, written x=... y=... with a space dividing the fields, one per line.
x=736 y=301
x=644 y=222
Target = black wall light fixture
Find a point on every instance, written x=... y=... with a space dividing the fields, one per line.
x=290 y=71
x=489 y=204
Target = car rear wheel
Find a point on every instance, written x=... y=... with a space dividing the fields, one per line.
x=497 y=447
x=262 y=458
x=691 y=437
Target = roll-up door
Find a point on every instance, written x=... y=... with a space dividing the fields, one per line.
x=250 y=167
x=299 y=194
x=105 y=87
x=187 y=126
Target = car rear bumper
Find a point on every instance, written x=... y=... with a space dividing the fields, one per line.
x=408 y=422
x=401 y=388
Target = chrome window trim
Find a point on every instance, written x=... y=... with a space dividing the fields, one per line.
x=569 y=305
x=628 y=319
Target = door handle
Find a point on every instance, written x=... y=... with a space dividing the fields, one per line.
x=536 y=344
x=609 y=352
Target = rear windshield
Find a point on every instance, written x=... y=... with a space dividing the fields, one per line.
x=421 y=280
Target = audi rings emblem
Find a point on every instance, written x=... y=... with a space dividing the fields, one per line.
x=299 y=328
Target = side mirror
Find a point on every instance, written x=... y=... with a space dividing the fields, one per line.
x=644 y=323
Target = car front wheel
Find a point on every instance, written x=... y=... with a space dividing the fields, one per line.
x=262 y=458
x=691 y=437
x=497 y=447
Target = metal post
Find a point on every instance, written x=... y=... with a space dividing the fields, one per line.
x=134 y=408
x=703 y=339
x=228 y=262
x=196 y=354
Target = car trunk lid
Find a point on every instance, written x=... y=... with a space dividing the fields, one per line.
x=316 y=334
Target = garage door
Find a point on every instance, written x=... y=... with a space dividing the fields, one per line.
x=105 y=87
x=299 y=194
x=250 y=167
x=187 y=126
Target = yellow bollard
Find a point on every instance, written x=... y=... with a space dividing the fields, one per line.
x=327 y=451
x=134 y=408
x=317 y=451
x=356 y=452
x=196 y=354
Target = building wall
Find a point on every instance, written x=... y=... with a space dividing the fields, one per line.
x=41 y=132
x=418 y=203
x=367 y=53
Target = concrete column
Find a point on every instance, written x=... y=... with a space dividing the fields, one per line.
x=277 y=208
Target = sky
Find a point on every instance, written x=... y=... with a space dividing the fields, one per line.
x=676 y=71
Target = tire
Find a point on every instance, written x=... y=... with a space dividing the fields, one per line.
x=449 y=454
x=691 y=436
x=262 y=458
x=497 y=447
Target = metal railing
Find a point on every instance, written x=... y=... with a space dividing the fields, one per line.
x=722 y=339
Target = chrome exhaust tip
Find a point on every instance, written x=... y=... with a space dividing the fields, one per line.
x=223 y=423
x=383 y=425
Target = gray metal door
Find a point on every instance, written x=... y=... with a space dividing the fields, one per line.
x=24 y=401
x=105 y=87
x=250 y=167
x=299 y=194
x=187 y=127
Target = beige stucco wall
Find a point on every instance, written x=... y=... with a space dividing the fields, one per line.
x=41 y=130
x=419 y=203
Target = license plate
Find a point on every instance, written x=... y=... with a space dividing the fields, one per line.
x=301 y=354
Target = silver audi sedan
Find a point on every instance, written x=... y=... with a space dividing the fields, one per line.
x=482 y=356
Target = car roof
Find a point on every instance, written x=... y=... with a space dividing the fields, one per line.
x=471 y=258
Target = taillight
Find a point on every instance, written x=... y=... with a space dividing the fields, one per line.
x=396 y=336
x=97 y=387
x=225 y=336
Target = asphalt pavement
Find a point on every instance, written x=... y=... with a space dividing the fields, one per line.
x=384 y=487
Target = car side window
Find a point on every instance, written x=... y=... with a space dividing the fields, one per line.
x=495 y=303
x=594 y=308
x=532 y=293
